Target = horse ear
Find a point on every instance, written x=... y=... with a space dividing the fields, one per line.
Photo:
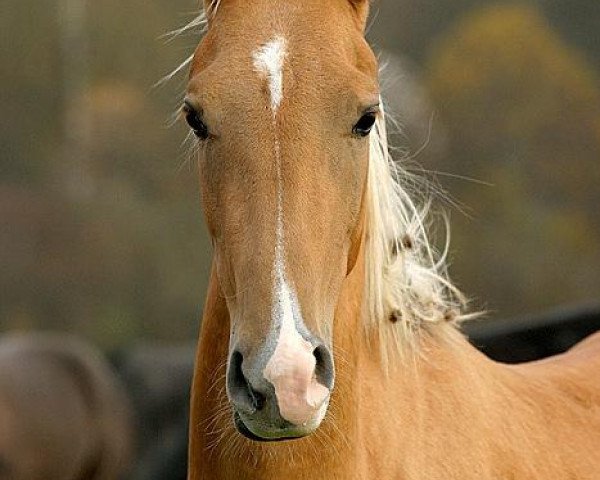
x=211 y=7
x=361 y=8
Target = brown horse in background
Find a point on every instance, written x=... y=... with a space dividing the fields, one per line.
x=329 y=347
x=63 y=413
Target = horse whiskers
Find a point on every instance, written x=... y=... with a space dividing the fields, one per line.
x=341 y=356
x=338 y=430
x=219 y=419
x=325 y=441
x=219 y=435
x=215 y=435
x=225 y=435
x=217 y=382
x=213 y=379
x=236 y=447
x=214 y=419
x=229 y=444
x=218 y=426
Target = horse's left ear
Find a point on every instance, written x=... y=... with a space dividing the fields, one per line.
x=362 y=11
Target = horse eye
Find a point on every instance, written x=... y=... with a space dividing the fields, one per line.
x=365 y=124
x=193 y=119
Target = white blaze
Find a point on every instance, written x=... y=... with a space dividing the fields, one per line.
x=291 y=368
x=268 y=60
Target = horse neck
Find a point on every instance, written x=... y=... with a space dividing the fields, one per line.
x=446 y=401
x=217 y=451
x=417 y=392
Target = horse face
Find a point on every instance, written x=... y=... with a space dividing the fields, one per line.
x=283 y=104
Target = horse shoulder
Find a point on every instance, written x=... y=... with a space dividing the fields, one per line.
x=559 y=398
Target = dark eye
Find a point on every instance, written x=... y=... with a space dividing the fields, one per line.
x=194 y=120
x=365 y=124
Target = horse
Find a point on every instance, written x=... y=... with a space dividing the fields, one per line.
x=526 y=338
x=63 y=413
x=330 y=344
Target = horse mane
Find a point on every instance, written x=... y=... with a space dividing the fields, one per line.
x=406 y=285
x=407 y=289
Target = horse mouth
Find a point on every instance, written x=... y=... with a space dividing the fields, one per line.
x=279 y=435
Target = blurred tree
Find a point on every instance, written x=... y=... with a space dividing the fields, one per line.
x=523 y=112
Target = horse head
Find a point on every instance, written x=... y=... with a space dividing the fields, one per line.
x=282 y=97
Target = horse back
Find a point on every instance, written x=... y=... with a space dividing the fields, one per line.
x=582 y=360
x=574 y=372
x=555 y=407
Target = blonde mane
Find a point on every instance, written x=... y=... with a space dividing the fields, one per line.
x=407 y=289
x=406 y=283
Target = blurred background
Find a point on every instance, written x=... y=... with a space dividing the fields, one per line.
x=102 y=232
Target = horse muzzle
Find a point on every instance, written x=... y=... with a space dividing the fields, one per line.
x=286 y=397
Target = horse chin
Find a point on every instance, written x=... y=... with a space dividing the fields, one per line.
x=286 y=433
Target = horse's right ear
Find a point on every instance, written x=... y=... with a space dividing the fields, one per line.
x=362 y=11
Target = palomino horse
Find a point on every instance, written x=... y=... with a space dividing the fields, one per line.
x=323 y=275
x=63 y=414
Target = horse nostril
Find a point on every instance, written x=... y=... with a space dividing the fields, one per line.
x=324 y=367
x=240 y=390
x=258 y=399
